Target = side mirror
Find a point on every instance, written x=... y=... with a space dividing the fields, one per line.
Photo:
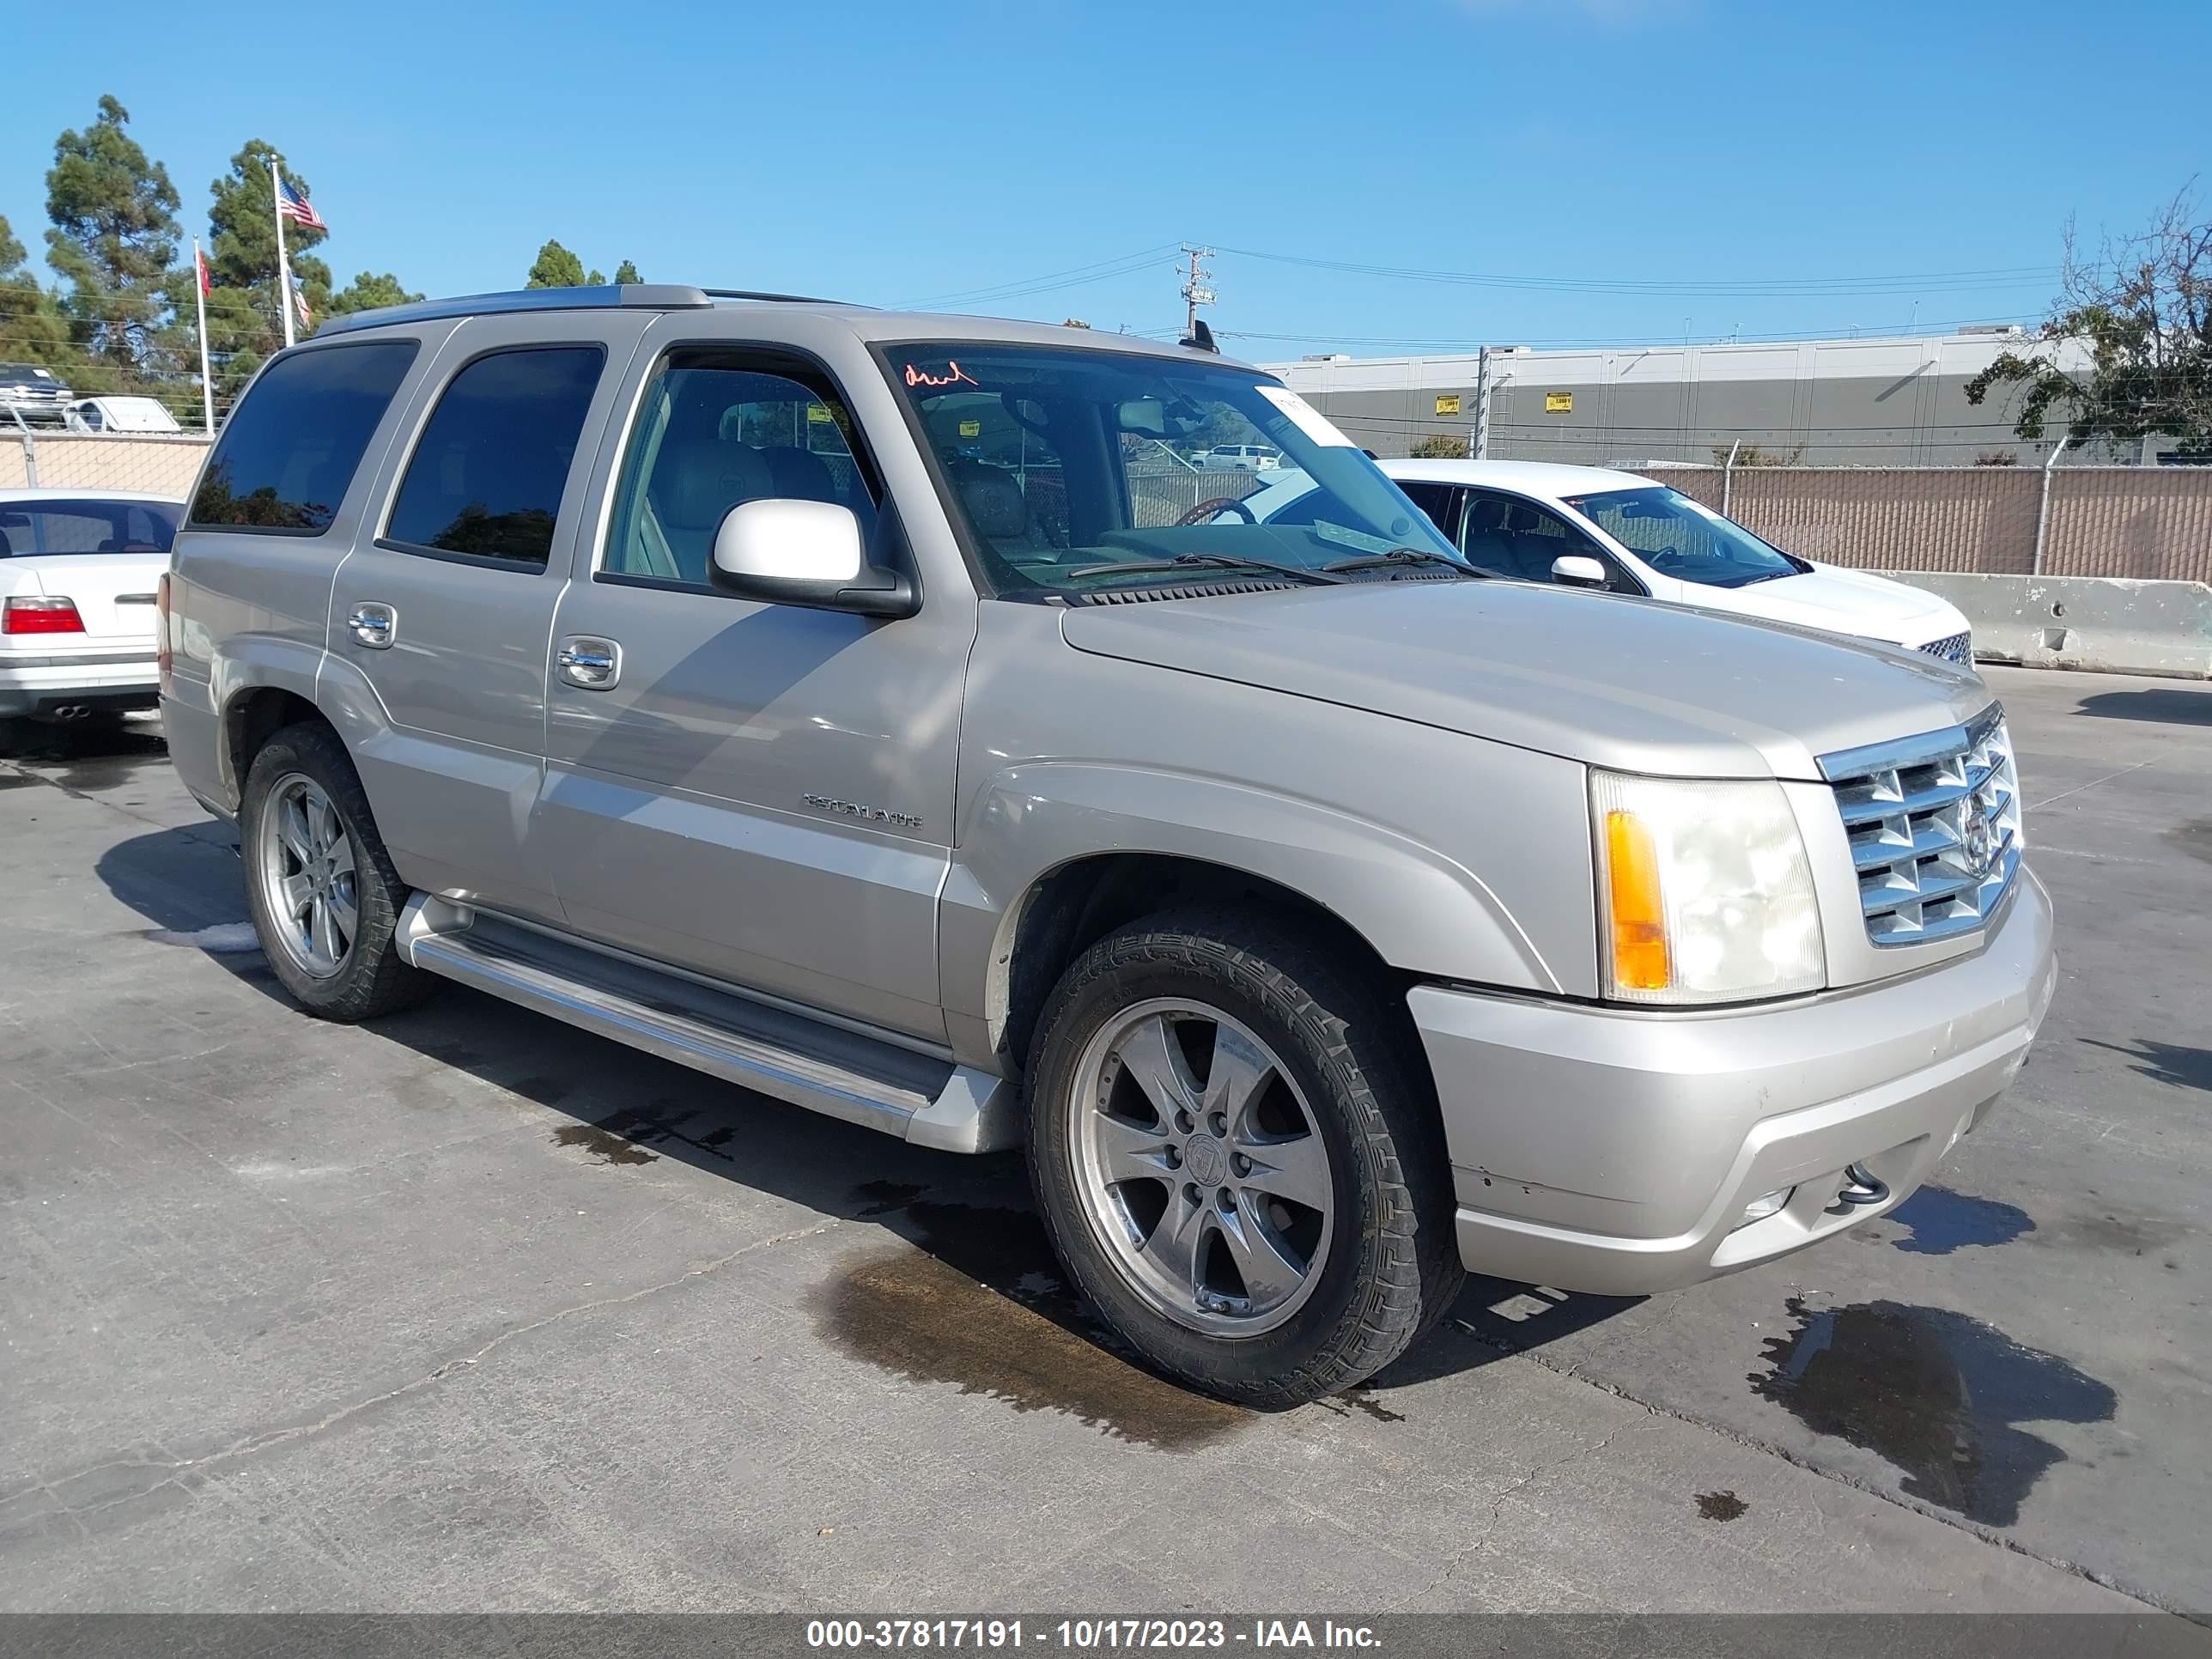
x=1579 y=570
x=808 y=553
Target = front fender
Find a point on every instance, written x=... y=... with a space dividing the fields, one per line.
x=1418 y=908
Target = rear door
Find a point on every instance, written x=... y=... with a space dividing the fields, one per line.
x=441 y=614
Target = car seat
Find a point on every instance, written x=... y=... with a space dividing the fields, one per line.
x=695 y=483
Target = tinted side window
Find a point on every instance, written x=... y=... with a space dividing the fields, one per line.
x=1433 y=499
x=289 y=453
x=708 y=437
x=487 y=476
x=1506 y=533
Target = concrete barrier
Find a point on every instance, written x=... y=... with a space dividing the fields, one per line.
x=2107 y=624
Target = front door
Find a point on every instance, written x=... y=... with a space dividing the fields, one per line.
x=761 y=793
x=440 y=613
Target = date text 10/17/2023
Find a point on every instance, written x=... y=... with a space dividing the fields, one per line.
x=1088 y=1635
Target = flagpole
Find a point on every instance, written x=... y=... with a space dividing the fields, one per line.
x=283 y=265
x=199 y=296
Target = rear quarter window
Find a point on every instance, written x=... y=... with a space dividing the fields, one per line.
x=290 y=450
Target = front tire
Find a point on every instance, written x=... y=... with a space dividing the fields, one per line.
x=1237 y=1162
x=324 y=898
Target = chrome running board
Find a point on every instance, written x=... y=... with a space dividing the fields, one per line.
x=825 y=1068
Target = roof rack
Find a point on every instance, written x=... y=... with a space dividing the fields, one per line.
x=647 y=296
x=786 y=299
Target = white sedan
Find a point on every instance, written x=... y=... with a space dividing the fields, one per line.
x=79 y=571
x=1593 y=527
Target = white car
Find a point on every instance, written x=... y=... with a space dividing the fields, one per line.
x=79 y=573
x=137 y=414
x=1594 y=527
x=1243 y=458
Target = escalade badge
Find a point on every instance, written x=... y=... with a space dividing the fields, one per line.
x=848 y=809
x=1981 y=839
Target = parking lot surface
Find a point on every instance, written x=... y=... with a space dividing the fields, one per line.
x=467 y=1310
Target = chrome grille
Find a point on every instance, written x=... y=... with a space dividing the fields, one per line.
x=1934 y=824
x=1958 y=648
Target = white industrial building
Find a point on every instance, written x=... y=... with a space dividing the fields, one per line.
x=1892 y=401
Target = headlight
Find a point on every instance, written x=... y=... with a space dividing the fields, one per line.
x=1705 y=893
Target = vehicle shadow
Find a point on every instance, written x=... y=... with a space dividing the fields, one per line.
x=2166 y=705
x=984 y=1304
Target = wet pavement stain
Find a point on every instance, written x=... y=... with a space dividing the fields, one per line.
x=2108 y=1232
x=1366 y=1400
x=1936 y=1393
x=2194 y=838
x=662 y=1122
x=882 y=1197
x=223 y=939
x=1944 y=1221
x=983 y=1306
x=607 y=1148
x=1720 y=1505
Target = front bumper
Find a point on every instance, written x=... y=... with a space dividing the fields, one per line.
x=1614 y=1151
x=33 y=684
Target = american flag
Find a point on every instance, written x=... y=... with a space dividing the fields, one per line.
x=300 y=302
x=294 y=206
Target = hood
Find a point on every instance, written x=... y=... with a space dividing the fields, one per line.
x=1841 y=601
x=1605 y=678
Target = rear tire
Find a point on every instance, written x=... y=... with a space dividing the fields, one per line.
x=324 y=898
x=1290 y=1233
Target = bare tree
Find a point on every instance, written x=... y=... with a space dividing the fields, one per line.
x=2127 y=350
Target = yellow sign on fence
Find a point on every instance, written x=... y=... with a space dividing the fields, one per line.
x=1559 y=403
x=1447 y=402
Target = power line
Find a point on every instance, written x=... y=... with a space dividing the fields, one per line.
x=1760 y=288
x=1074 y=277
x=1437 y=343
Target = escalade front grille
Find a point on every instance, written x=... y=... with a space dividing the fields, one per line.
x=1956 y=647
x=1934 y=823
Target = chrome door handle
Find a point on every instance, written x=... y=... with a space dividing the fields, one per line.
x=593 y=663
x=374 y=625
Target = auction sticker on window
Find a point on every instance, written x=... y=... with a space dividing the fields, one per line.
x=1304 y=417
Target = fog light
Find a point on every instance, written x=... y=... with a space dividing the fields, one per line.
x=1760 y=1208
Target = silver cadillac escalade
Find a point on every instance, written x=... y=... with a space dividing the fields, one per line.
x=879 y=712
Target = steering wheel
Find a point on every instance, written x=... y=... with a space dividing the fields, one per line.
x=1205 y=512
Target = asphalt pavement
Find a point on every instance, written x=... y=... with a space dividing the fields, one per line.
x=469 y=1311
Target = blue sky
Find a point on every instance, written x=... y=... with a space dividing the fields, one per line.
x=896 y=152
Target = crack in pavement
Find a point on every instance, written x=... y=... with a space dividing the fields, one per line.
x=253 y=1445
x=1480 y=1541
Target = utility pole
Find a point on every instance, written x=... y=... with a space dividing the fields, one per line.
x=1195 y=293
x=1478 y=447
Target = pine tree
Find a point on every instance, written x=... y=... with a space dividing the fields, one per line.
x=555 y=267
x=368 y=291
x=33 y=328
x=244 y=321
x=627 y=272
x=113 y=241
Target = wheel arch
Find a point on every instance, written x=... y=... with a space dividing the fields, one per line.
x=1076 y=850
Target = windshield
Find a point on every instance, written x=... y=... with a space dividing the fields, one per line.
x=1071 y=467
x=1684 y=538
x=53 y=526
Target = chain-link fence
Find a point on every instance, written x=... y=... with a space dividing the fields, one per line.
x=2149 y=523
x=156 y=466
x=2144 y=522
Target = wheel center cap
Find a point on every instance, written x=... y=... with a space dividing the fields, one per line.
x=1206 y=1159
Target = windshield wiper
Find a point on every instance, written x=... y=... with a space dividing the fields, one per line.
x=1409 y=556
x=1204 y=562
